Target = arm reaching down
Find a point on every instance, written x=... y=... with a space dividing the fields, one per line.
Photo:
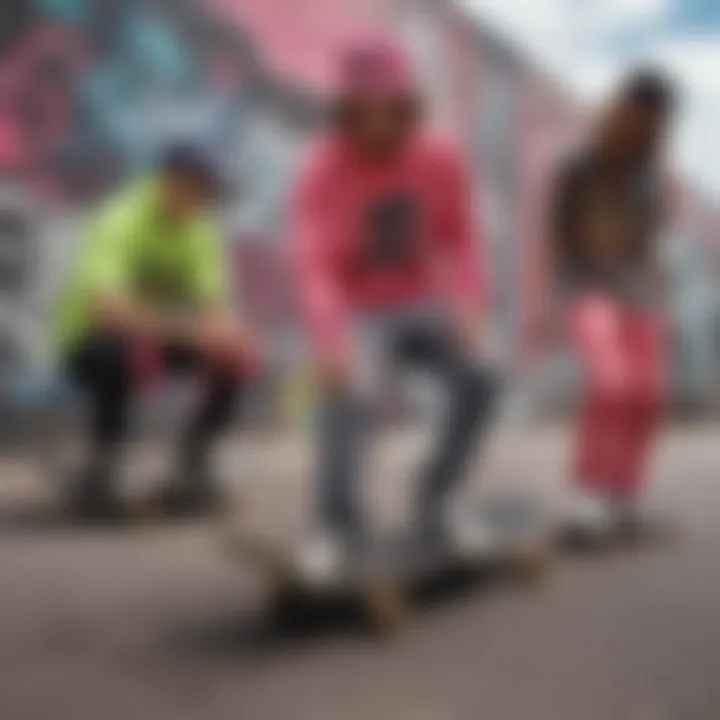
x=219 y=331
x=311 y=245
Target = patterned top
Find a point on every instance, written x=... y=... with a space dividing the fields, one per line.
x=604 y=230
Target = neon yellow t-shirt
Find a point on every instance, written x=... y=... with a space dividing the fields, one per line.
x=130 y=248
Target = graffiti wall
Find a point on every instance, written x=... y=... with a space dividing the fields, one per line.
x=87 y=89
x=550 y=129
x=692 y=255
x=496 y=123
x=90 y=89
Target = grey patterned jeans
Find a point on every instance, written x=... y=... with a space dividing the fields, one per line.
x=419 y=340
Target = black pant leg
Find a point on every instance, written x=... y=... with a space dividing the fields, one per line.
x=220 y=396
x=101 y=366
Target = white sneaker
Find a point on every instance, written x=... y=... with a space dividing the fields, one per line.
x=469 y=534
x=321 y=559
x=589 y=512
x=653 y=512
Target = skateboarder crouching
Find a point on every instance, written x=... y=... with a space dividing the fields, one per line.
x=607 y=219
x=149 y=291
x=386 y=254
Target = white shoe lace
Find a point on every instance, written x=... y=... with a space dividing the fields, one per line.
x=589 y=512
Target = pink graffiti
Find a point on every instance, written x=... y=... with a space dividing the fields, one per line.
x=34 y=111
x=10 y=144
x=299 y=39
x=264 y=282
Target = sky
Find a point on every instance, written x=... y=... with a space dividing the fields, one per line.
x=588 y=43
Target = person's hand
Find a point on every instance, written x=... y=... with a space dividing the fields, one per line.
x=248 y=351
x=225 y=344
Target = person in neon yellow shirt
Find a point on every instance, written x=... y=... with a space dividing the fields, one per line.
x=150 y=290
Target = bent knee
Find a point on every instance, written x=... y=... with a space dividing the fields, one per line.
x=479 y=387
x=612 y=386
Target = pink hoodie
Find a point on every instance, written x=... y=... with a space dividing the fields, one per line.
x=369 y=237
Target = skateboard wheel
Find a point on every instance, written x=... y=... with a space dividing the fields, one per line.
x=144 y=510
x=285 y=602
x=384 y=609
x=533 y=565
x=585 y=542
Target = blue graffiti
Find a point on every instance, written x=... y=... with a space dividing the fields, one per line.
x=72 y=10
x=149 y=74
x=153 y=87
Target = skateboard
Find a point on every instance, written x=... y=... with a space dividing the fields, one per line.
x=625 y=533
x=381 y=573
x=628 y=530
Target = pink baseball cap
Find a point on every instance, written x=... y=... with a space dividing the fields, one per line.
x=375 y=66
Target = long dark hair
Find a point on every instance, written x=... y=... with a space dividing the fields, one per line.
x=649 y=89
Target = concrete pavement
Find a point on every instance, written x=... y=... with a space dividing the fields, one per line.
x=158 y=623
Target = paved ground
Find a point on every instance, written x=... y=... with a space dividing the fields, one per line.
x=157 y=623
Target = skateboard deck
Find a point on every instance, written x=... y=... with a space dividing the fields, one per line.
x=622 y=535
x=381 y=572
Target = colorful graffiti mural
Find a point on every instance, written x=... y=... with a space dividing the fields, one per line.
x=88 y=90
x=551 y=128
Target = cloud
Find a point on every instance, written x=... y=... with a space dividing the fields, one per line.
x=694 y=62
x=571 y=37
x=588 y=44
x=603 y=16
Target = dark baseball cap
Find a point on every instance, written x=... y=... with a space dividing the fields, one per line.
x=195 y=162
